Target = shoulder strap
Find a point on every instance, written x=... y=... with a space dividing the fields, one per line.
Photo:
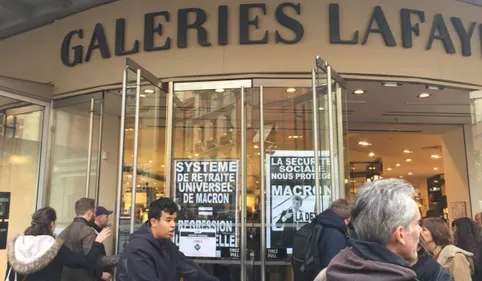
x=8 y=274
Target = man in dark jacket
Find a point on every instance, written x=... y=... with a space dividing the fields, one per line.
x=386 y=221
x=150 y=254
x=78 y=237
x=334 y=235
x=101 y=222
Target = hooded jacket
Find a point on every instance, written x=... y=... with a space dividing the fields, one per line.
x=42 y=258
x=459 y=262
x=367 y=261
x=333 y=238
x=148 y=259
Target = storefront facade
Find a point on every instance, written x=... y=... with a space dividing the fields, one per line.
x=220 y=107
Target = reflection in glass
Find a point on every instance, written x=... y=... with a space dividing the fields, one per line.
x=70 y=156
x=150 y=180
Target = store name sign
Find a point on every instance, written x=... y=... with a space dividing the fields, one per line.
x=191 y=22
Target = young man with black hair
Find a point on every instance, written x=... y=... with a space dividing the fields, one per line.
x=150 y=255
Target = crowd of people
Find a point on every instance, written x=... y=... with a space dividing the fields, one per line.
x=78 y=253
x=381 y=236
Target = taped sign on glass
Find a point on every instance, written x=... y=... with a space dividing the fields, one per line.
x=290 y=192
x=206 y=194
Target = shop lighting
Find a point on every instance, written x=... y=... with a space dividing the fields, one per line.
x=391 y=84
x=291 y=90
x=255 y=146
x=410 y=173
x=359 y=92
x=435 y=156
x=371 y=154
x=407 y=151
x=219 y=90
x=389 y=169
x=398 y=165
x=433 y=88
x=142 y=95
x=295 y=137
x=149 y=91
x=408 y=160
x=364 y=143
x=424 y=95
x=435 y=169
x=321 y=108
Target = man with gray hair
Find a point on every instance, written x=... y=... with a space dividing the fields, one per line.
x=386 y=220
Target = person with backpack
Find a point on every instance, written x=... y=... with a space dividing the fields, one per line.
x=317 y=243
x=386 y=220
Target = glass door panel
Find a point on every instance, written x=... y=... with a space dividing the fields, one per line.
x=75 y=156
x=284 y=141
x=21 y=135
x=208 y=130
x=142 y=171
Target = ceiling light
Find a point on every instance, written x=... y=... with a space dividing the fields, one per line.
x=364 y=143
x=389 y=169
x=321 y=108
x=149 y=91
x=391 y=84
x=398 y=165
x=410 y=173
x=150 y=161
x=290 y=90
x=142 y=95
x=424 y=95
x=219 y=90
x=371 y=154
x=435 y=156
x=435 y=169
x=407 y=151
x=255 y=146
x=196 y=154
x=358 y=92
x=408 y=160
x=295 y=137
x=433 y=88
x=401 y=177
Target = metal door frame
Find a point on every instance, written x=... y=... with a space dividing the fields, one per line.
x=331 y=74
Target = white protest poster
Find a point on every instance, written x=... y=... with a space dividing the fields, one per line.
x=198 y=243
x=290 y=194
x=206 y=192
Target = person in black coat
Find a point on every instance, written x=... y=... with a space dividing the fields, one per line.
x=38 y=256
x=150 y=254
x=428 y=269
x=334 y=234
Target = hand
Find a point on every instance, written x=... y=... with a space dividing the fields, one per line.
x=103 y=235
x=288 y=215
x=106 y=276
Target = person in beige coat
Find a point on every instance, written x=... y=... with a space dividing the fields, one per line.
x=437 y=234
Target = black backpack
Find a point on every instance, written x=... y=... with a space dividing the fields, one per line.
x=306 y=252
